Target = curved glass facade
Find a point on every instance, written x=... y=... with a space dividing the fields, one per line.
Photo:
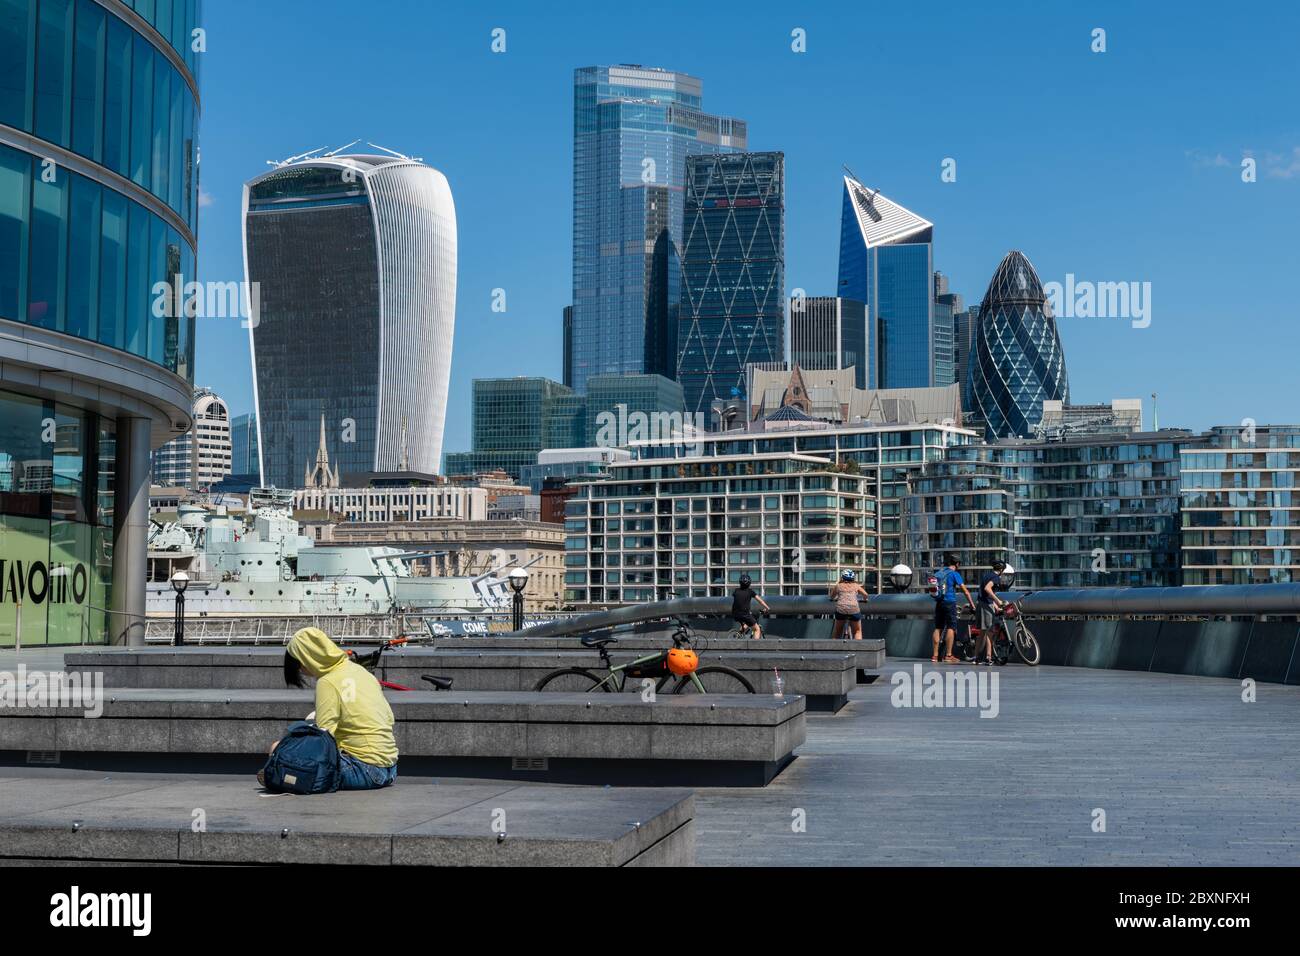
x=56 y=522
x=98 y=211
x=1017 y=362
x=78 y=256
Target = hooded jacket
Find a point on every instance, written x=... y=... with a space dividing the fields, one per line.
x=350 y=704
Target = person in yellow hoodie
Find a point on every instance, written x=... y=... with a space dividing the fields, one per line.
x=350 y=705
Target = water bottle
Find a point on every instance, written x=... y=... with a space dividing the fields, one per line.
x=778 y=684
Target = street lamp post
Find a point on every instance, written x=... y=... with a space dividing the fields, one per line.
x=518 y=581
x=180 y=581
x=900 y=577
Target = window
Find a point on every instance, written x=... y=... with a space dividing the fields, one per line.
x=53 y=71
x=15 y=53
x=47 y=256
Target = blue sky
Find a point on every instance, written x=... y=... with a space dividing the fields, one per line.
x=1115 y=166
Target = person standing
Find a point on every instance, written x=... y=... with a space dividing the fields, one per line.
x=989 y=606
x=947 y=580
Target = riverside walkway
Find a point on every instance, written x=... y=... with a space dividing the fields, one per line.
x=1185 y=771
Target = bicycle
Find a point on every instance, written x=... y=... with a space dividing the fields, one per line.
x=722 y=679
x=370 y=662
x=744 y=632
x=1009 y=631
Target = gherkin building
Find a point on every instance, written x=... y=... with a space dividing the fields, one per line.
x=1016 y=362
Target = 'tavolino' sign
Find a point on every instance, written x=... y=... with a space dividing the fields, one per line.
x=40 y=583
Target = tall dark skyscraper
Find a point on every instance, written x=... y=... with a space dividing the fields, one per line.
x=733 y=273
x=355 y=256
x=1017 y=361
x=662 y=285
x=887 y=261
x=633 y=128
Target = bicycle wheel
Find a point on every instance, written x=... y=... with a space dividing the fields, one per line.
x=1027 y=645
x=573 y=680
x=716 y=679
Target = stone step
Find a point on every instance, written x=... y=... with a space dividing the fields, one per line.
x=825 y=679
x=742 y=740
x=870 y=652
x=140 y=819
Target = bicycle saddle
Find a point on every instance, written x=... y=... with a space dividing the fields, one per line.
x=441 y=683
x=598 y=642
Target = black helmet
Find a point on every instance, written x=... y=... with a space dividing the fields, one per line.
x=999 y=566
x=951 y=559
x=744 y=581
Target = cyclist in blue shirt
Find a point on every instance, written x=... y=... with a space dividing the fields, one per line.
x=947 y=581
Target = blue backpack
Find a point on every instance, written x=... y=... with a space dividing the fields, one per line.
x=942 y=579
x=306 y=761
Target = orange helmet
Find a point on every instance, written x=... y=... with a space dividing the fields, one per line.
x=682 y=661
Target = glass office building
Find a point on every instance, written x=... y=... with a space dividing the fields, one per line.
x=619 y=405
x=947 y=305
x=513 y=420
x=733 y=273
x=355 y=260
x=1017 y=362
x=1241 y=506
x=516 y=418
x=829 y=333
x=243 y=445
x=887 y=262
x=99 y=108
x=633 y=128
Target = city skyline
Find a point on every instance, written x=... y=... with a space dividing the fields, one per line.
x=1196 y=231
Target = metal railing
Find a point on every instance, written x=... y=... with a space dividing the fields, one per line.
x=1211 y=599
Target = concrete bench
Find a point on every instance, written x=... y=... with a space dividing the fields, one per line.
x=869 y=653
x=689 y=740
x=140 y=819
x=825 y=679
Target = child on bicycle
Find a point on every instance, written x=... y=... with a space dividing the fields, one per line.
x=741 y=599
x=846 y=594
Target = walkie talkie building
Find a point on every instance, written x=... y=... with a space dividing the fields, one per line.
x=1016 y=362
x=354 y=261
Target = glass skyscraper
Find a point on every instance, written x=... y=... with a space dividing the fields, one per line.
x=355 y=257
x=733 y=273
x=946 y=307
x=887 y=262
x=633 y=128
x=243 y=445
x=1017 y=361
x=829 y=333
x=99 y=107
